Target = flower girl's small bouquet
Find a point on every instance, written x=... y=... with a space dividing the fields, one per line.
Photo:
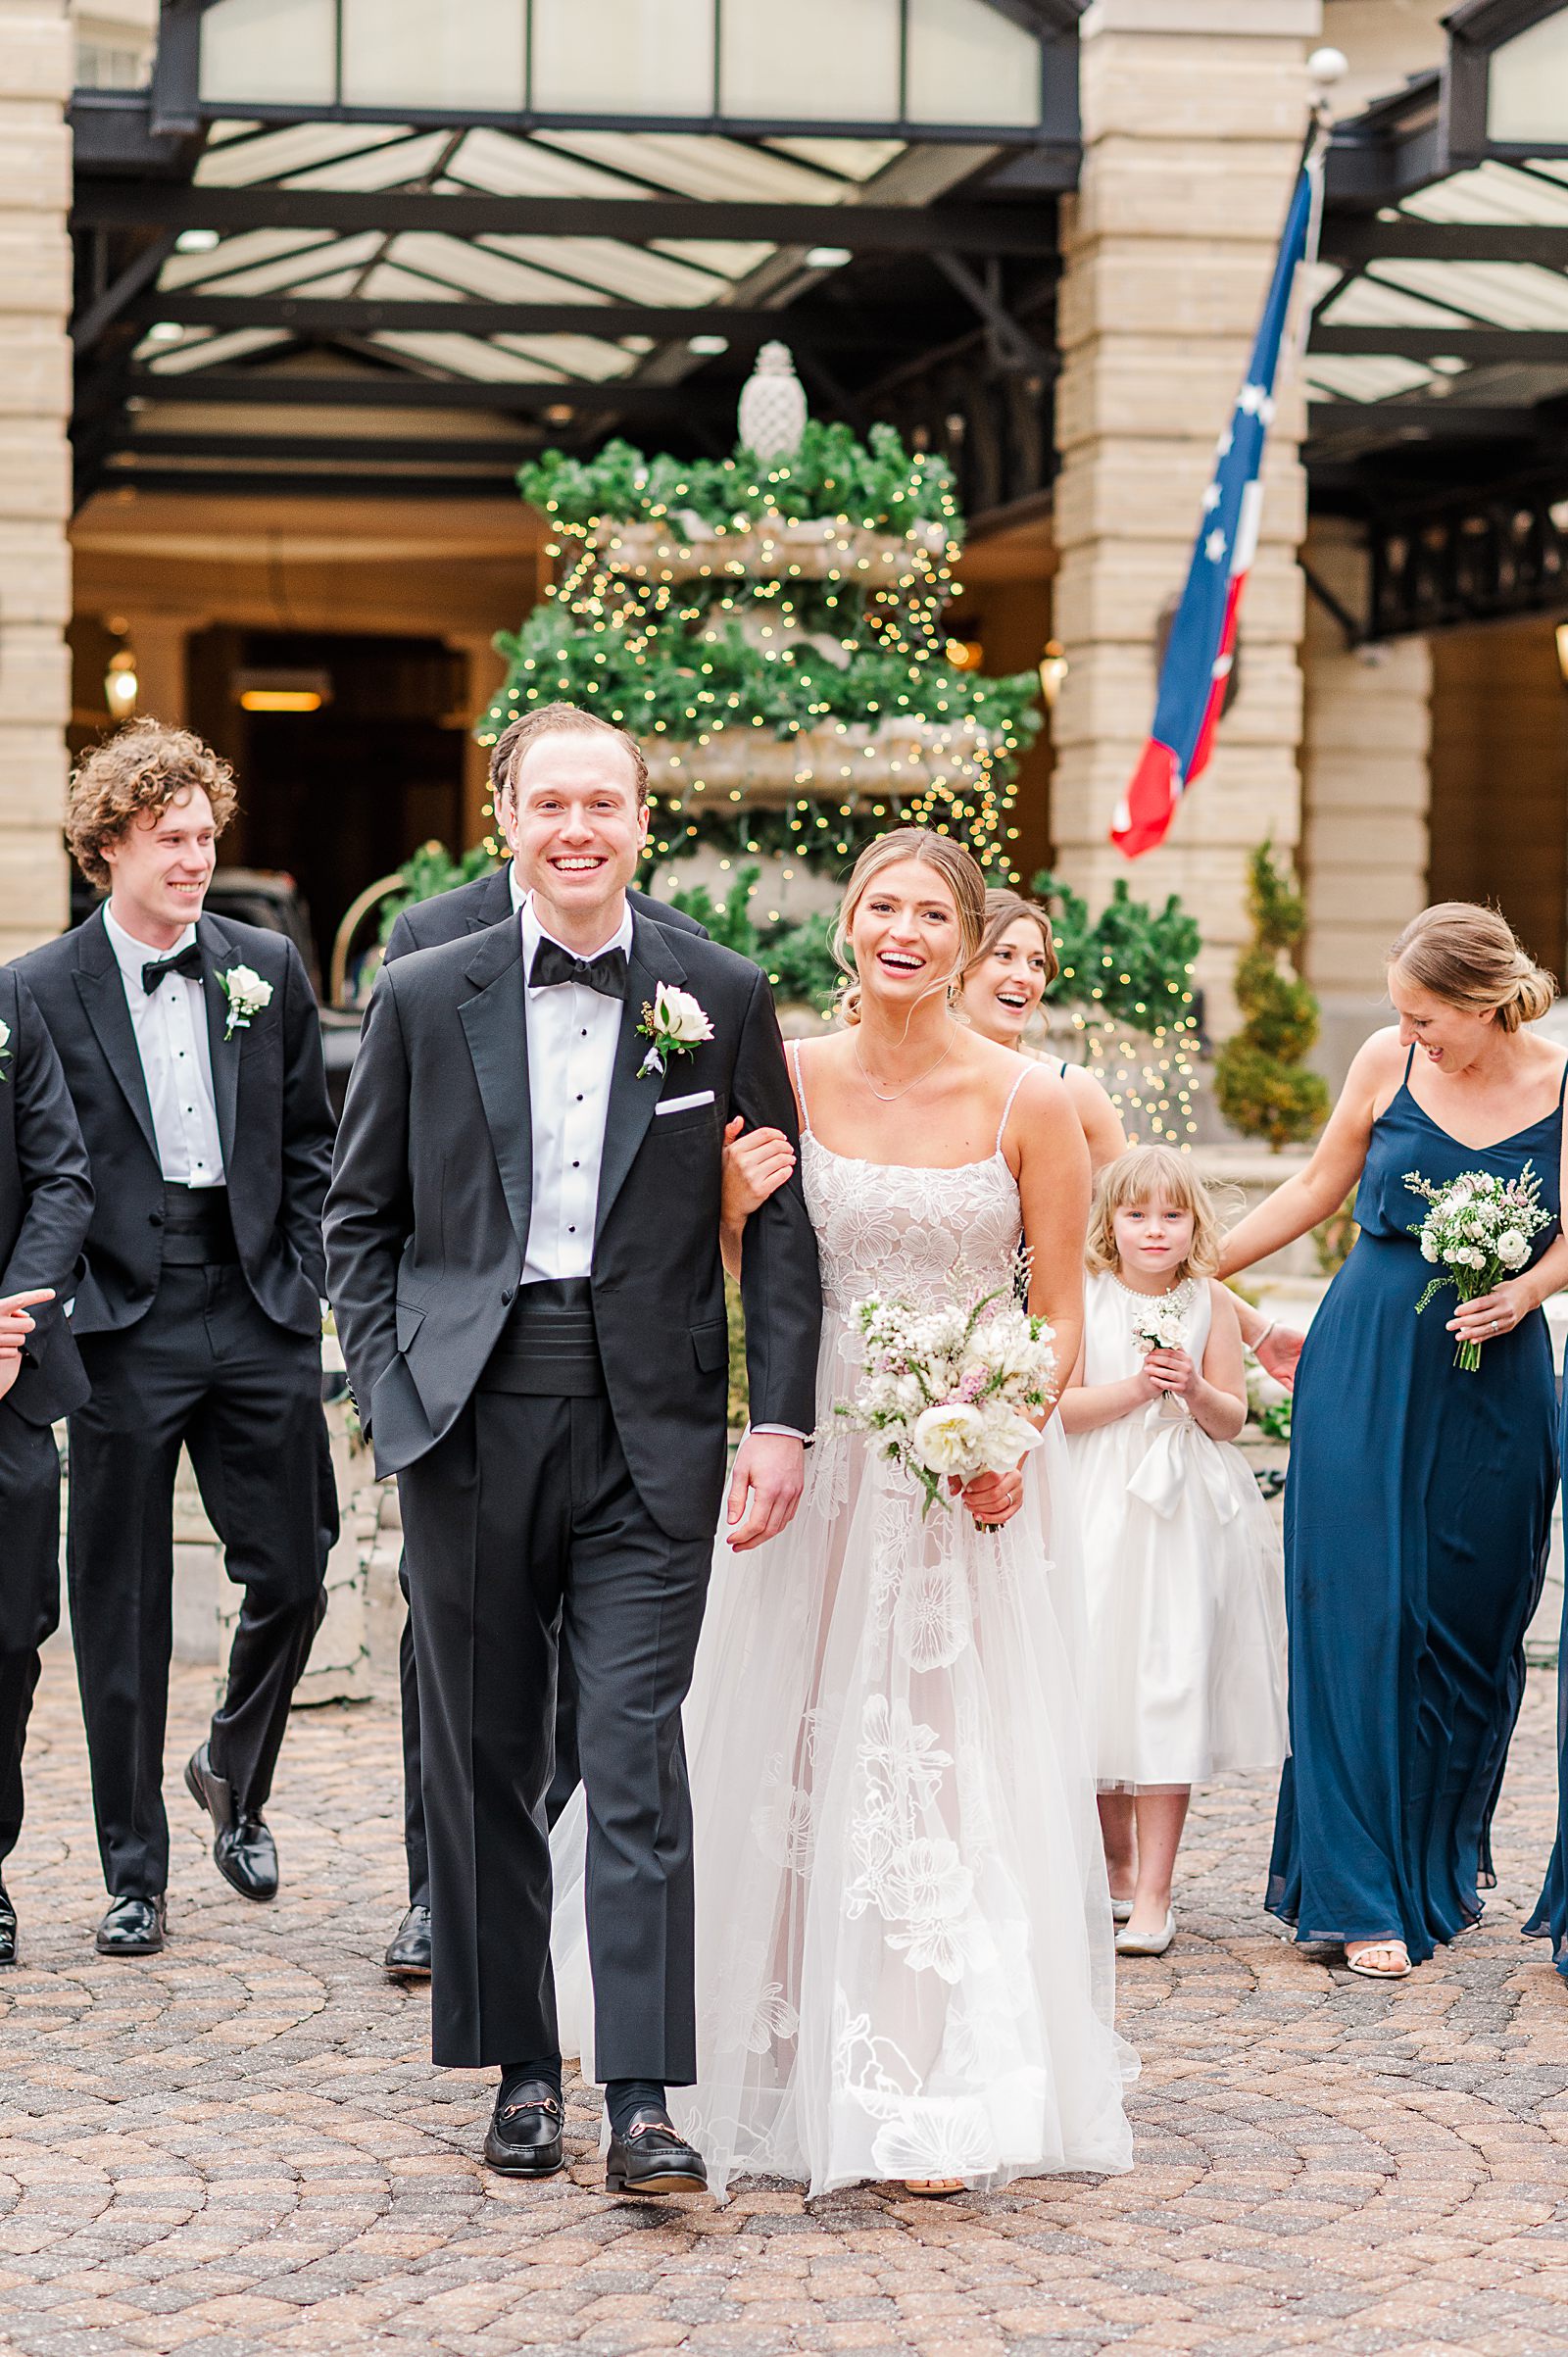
x=1478 y=1231
x=1160 y=1323
x=949 y=1391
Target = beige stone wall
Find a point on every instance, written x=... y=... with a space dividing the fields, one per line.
x=1194 y=113
x=35 y=74
x=1365 y=787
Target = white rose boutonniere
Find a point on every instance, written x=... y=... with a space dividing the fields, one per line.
x=5 y=1050
x=674 y=1025
x=247 y=993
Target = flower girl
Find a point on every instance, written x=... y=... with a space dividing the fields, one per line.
x=1185 y=1599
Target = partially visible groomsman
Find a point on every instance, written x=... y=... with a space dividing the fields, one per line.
x=472 y=907
x=193 y=1056
x=45 y=1205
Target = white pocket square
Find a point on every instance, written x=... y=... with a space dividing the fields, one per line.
x=683 y=1105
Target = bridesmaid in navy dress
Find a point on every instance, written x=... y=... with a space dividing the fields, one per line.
x=1419 y=1501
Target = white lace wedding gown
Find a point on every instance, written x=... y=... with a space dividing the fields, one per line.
x=904 y=1941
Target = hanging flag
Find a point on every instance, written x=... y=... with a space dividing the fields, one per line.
x=1201 y=648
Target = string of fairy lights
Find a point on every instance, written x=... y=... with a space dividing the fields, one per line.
x=789 y=677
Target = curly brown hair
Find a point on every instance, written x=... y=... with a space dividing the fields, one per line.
x=143 y=766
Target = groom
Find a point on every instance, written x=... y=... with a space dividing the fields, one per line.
x=523 y=1249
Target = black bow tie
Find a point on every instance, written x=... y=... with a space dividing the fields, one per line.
x=188 y=963
x=606 y=973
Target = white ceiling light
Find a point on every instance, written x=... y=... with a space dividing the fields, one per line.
x=827 y=257
x=707 y=347
x=165 y=332
x=196 y=241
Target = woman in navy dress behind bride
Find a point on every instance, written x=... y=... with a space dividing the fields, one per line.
x=1419 y=1502
x=904 y=1941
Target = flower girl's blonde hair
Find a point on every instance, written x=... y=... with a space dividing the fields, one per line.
x=1146 y=1174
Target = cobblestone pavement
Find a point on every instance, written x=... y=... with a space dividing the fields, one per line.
x=240 y=2147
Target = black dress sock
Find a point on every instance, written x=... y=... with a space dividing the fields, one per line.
x=624 y=2096
x=513 y=2074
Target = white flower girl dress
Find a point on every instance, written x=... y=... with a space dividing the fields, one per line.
x=904 y=1941
x=1184 y=1585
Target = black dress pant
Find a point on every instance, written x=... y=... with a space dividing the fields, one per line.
x=29 y=1591
x=204 y=1367
x=524 y=1521
x=563 y=1783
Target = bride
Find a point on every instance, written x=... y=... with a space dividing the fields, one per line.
x=903 y=1939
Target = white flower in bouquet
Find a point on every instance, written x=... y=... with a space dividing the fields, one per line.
x=1160 y=1323
x=1476 y=1232
x=949 y=1392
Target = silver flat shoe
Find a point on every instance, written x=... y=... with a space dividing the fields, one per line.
x=1143 y=1945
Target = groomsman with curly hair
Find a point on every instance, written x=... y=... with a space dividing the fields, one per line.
x=193 y=1056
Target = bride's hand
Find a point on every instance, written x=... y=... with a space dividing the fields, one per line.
x=991 y=1496
x=756 y=1166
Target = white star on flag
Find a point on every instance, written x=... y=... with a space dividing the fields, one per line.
x=1214 y=546
x=1211 y=499
x=1222 y=448
x=1266 y=413
x=1253 y=398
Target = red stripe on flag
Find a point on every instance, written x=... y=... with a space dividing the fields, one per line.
x=1152 y=797
x=1220 y=682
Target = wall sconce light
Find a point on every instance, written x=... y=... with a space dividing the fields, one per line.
x=121 y=685
x=1053 y=670
x=1561 y=635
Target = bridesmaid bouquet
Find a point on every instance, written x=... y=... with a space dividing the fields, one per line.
x=949 y=1391
x=1478 y=1231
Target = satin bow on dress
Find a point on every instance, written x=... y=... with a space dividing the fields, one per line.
x=1173 y=1461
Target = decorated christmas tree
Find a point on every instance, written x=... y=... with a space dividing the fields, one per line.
x=771 y=627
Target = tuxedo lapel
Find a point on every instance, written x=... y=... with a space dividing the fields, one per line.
x=217 y=950
x=495 y=1023
x=494 y=903
x=633 y=1094
x=103 y=998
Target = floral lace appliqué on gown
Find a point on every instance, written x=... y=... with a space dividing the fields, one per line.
x=904 y=1948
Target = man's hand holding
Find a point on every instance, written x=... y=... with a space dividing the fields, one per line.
x=764 y=1489
x=14 y=1327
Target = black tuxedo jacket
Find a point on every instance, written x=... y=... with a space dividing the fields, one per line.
x=45 y=1204
x=487 y=900
x=428 y=1217
x=273 y=1121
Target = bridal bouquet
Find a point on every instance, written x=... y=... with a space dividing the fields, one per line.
x=1160 y=1323
x=1478 y=1231
x=949 y=1391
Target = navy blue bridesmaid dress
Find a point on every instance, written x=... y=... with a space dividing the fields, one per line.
x=1550 y=1918
x=1417 y=1516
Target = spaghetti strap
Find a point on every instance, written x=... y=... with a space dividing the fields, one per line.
x=1562 y=1086
x=792 y=1049
x=1410 y=1059
x=1002 y=1126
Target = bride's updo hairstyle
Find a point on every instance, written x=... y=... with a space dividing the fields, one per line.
x=1003 y=912
x=958 y=870
x=1471 y=957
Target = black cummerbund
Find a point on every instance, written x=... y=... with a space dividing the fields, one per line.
x=198 y=1232
x=547 y=1347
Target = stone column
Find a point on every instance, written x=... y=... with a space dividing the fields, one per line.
x=1194 y=113
x=36 y=79
x=1365 y=792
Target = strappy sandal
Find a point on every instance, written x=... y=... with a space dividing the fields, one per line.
x=1379 y=1972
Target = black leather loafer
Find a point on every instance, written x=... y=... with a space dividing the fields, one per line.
x=409 y=1956
x=133 y=1927
x=653 y=2158
x=243 y=1851
x=8 y=1929
x=523 y=2138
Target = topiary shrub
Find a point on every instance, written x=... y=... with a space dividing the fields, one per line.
x=1260 y=1078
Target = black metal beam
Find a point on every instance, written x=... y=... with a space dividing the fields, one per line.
x=1379 y=422
x=312 y=314
x=445 y=450
x=1361 y=240
x=272 y=389
x=220 y=482
x=114 y=204
x=118 y=298
x=1521 y=347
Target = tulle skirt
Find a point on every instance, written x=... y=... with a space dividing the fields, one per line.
x=903 y=1959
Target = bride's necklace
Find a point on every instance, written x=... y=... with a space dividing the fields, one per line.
x=892 y=1096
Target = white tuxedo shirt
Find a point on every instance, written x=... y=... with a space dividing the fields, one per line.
x=177 y=1058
